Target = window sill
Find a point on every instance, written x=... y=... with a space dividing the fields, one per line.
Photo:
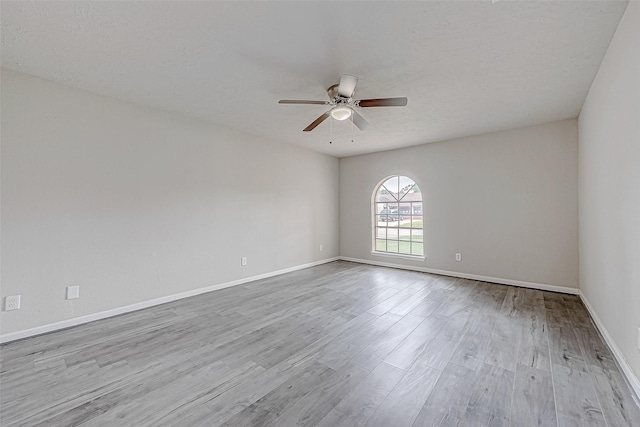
x=403 y=256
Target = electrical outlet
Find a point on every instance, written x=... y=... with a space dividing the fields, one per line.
x=12 y=303
x=320 y=248
x=73 y=292
x=458 y=257
x=243 y=260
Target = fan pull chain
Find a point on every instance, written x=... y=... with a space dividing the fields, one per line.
x=330 y=131
x=352 y=126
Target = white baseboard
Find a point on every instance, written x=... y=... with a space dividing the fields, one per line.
x=631 y=377
x=150 y=303
x=519 y=283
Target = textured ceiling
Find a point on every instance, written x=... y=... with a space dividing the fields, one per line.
x=466 y=67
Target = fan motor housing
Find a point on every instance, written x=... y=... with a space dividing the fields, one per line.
x=332 y=91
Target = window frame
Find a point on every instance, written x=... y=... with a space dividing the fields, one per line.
x=374 y=224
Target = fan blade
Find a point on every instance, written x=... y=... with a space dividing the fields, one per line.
x=316 y=122
x=347 y=85
x=359 y=121
x=300 y=101
x=382 y=102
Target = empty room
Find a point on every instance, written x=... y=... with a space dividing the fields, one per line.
x=320 y=213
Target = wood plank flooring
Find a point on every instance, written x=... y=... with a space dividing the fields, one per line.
x=341 y=344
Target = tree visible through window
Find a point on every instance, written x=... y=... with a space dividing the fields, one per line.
x=397 y=210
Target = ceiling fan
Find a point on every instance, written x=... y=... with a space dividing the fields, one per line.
x=343 y=105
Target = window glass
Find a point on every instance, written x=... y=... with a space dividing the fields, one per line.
x=397 y=217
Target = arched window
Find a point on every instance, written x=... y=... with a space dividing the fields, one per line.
x=397 y=217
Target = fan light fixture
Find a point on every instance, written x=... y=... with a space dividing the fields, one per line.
x=341 y=113
x=343 y=106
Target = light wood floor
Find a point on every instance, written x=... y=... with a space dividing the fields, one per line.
x=341 y=344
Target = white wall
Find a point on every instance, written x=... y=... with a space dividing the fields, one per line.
x=609 y=189
x=507 y=201
x=134 y=204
